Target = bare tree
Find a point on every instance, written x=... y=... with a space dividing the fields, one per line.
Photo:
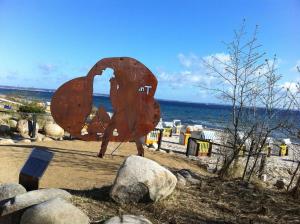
x=268 y=113
x=295 y=130
x=250 y=85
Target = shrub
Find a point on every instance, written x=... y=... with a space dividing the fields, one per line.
x=31 y=108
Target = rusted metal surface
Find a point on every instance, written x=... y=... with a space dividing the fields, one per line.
x=135 y=112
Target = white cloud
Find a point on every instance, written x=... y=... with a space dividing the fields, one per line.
x=193 y=73
x=218 y=57
x=189 y=61
x=47 y=68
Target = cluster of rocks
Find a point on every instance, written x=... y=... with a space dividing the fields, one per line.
x=19 y=131
x=39 y=206
x=138 y=180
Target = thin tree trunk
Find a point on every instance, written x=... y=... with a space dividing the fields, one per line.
x=294 y=175
x=247 y=162
x=262 y=166
x=224 y=170
x=252 y=168
x=296 y=189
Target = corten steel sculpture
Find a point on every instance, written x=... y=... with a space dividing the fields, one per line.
x=135 y=112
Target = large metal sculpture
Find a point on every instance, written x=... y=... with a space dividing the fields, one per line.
x=135 y=112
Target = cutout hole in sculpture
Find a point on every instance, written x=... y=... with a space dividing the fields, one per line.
x=101 y=86
x=115 y=132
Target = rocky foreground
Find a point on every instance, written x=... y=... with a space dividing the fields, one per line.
x=146 y=192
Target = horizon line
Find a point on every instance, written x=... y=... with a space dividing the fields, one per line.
x=34 y=89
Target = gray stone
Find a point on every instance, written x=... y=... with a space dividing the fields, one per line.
x=185 y=173
x=54 y=131
x=25 y=141
x=128 y=219
x=55 y=211
x=10 y=190
x=189 y=176
x=6 y=141
x=13 y=124
x=39 y=137
x=141 y=178
x=279 y=184
x=31 y=198
x=4 y=129
x=47 y=139
x=181 y=182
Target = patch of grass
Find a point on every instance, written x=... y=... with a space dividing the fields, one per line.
x=211 y=201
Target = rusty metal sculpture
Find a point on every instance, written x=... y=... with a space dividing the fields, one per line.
x=135 y=112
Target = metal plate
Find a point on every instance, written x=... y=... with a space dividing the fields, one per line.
x=37 y=163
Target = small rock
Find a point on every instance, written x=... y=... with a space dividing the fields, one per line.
x=54 y=131
x=4 y=129
x=47 y=139
x=170 y=152
x=189 y=176
x=140 y=178
x=154 y=145
x=128 y=219
x=279 y=184
x=162 y=151
x=32 y=198
x=39 y=137
x=180 y=180
x=151 y=149
x=25 y=141
x=185 y=173
x=13 y=123
x=10 y=190
x=6 y=141
x=54 y=211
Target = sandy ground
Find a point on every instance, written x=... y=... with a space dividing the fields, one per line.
x=75 y=165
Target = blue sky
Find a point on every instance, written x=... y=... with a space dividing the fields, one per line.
x=45 y=43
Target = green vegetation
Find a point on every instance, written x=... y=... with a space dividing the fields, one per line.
x=31 y=108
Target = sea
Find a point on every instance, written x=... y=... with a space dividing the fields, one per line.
x=214 y=116
x=211 y=115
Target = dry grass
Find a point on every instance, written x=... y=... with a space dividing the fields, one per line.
x=212 y=201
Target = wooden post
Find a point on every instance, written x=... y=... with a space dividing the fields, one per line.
x=33 y=125
x=160 y=137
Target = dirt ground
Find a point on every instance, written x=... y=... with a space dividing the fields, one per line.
x=76 y=168
x=75 y=165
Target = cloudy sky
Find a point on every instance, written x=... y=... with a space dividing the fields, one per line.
x=45 y=43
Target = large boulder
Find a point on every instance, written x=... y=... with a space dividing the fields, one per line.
x=53 y=130
x=23 y=128
x=128 y=219
x=10 y=190
x=139 y=178
x=28 y=199
x=55 y=211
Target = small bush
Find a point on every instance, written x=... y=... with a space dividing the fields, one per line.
x=31 y=108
